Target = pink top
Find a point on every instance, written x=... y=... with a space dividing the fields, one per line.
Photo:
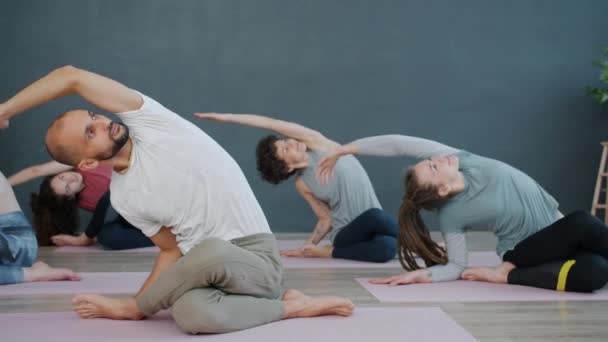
x=96 y=184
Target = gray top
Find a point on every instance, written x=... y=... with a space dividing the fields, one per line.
x=348 y=194
x=496 y=196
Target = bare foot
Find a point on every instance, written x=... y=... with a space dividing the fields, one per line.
x=96 y=306
x=41 y=271
x=496 y=274
x=310 y=251
x=298 y=304
x=324 y=251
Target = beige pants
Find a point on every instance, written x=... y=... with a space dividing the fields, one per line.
x=221 y=286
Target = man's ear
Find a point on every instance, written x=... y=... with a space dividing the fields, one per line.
x=88 y=164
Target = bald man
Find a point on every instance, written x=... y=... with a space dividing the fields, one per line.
x=218 y=268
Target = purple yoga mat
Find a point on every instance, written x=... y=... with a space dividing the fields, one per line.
x=475 y=259
x=99 y=249
x=471 y=291
x=283 y=244
x=98 y=282
x=367 y=324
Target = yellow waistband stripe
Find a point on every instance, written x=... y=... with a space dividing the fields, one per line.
x=563 y=275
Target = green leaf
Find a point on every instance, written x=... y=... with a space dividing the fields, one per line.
x=604 y=98
x=593 y=91
x=604 y=76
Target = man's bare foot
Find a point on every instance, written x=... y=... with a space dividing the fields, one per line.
x=498 y=274
x=96 y=306
x=41 y=271
x=298 y=304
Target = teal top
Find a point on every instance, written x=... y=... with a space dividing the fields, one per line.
x=498 y=197
x=348 y=194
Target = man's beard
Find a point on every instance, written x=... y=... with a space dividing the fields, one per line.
x=121 y=141
x=118 y=143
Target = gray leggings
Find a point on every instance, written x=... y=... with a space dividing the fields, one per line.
x=221 y=286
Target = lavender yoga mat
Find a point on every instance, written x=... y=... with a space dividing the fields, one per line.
x=367 y=324
x=98 y=282
x=283 y=244
x=471 y=291
x=100 y=249
x=475 y=259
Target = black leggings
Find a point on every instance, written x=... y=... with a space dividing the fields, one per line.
x=569 y=255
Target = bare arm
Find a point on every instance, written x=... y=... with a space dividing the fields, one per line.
x=41 y=170
x=313 y=139
x=98 y=90
x=320 y=209
x=169 y=254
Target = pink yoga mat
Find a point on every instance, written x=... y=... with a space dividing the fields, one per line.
x=471 y=291
x=98 y=282
x=283 y=244
x=99 y=249
x=475 y=259
x=367 y=324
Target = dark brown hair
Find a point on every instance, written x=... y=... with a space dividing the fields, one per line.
x=271 y=168
x=414 y=237
x=53 y=214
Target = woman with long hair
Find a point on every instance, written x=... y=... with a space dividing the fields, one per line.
x=539 y=246
x=347 y=208
x=64 y=190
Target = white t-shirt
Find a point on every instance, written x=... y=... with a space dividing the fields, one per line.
x=179 y=177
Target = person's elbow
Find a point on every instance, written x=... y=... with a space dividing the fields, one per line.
x=68 y=73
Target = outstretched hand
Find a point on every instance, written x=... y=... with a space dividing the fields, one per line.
x=213 y=116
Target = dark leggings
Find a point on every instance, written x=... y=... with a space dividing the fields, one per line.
x=372 y=236
x=120 y=234
x=112 y=230
x=569 y=255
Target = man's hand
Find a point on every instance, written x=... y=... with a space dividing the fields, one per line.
x=418 y=276
x=213 y=116
x=70 y=240
x=3 y=118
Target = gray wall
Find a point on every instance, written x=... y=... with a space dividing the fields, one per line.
x=499 y=78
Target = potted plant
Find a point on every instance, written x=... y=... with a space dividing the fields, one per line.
x=601 y=94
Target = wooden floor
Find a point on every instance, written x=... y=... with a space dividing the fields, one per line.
x=504 y=321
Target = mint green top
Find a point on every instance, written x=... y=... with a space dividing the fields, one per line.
x=496 y=197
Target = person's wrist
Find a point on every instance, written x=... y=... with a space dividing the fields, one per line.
x=348 y=149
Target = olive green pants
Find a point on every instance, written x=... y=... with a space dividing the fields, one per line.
x=221 y=286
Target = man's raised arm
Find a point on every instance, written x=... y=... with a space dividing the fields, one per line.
x=98 y=90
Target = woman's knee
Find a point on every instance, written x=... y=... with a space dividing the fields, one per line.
x=588 y=273
x=383 y=219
